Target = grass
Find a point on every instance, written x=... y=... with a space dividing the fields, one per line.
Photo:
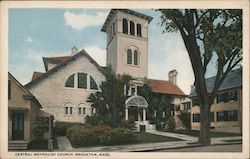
x=144 y=137
x=212 y=133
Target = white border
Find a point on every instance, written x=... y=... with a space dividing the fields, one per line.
x=243 y=4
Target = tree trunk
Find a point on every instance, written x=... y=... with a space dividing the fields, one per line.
x=204 y=137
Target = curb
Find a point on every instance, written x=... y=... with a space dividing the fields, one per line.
x=191 y=146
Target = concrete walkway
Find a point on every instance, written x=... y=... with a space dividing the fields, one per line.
x=174 y=135
x=63 y=143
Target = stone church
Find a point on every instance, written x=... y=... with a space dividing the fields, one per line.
x=69 y=80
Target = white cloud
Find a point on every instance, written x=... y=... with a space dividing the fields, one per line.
x=29 y=40
x=97 y=53
x=80 y=21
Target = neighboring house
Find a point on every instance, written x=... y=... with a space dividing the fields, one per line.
x=24 y=109
x=64 y=88
x=226 y=111
x=182 y=108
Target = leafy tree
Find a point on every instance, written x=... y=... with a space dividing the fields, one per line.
x=40 y=127
x=211 y=36
x=110 y=101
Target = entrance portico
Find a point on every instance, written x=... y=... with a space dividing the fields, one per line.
x=141 y=105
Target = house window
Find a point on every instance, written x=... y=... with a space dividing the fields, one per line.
x=211 y=116
x=80 y=111
x=187 y=106
x=196 y=118
x=66 y=110
x=113 y=28
x=135 y=57
x=224 y=97
x=132 y=28
x=138 y=26
x=9 y=89
x=70 y=81
x=129 y=56
x=195 y=102
x=93 y=84
x=92 y=111
x=125 y=26
x=233 y=95
x=178 y=108
x=83 y=111
x=220 y=116
x=71 y=110
x=82 y=80
x=233 y=115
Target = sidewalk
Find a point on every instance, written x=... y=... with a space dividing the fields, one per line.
x=188 y=141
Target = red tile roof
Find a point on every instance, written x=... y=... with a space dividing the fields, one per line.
x=36 y=75
x=56 y=60
x=165 y=87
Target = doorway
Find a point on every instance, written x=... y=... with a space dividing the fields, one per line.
x=17 y=126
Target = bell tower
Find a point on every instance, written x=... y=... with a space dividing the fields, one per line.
x=127 y=42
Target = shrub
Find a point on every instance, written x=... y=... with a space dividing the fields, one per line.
x=117 y=136
x=130 y=124
x=171 y=124
x=82 y=136
x=92 y=120
x=61 y=127
x=40 y=127
x=101 y=128
x=185 y=118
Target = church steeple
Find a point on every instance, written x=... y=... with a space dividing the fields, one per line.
x=127 y=42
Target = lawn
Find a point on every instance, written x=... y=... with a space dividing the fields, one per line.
x=212 y=133
x=144 y=137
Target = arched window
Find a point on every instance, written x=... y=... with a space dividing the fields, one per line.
x=132 y=28
x=68 y=108
x=125 y=26
x=82 y=81
x=129 y=56
x=70 y=82
x=138 y=28
x=93 y=84
x=136 y=57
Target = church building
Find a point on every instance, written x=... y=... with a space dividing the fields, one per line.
x=69 y=80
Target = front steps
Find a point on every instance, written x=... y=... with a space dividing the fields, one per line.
x=17 y=145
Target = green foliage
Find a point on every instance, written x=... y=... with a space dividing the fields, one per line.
x=101 y=128
x=82 y=136
x=110 y=101
x=92 y=120
x=41 y=126
x=61 y=127
x=171 y=124
x=130 y=124
x=185 y=118
x=117 y=136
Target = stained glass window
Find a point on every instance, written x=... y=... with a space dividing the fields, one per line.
x=93 y=84
x=70 y=81
x=82 y=80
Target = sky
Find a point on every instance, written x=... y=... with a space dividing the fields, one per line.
x=37 y=33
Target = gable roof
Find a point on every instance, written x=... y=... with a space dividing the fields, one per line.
x=62 y=64
x=165 y=87
x=28 y=95
x=54 y=60
x=36 y=75
x=128 y=11
x=233 y=80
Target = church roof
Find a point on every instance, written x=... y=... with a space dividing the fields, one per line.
x=165 y=87
x=54 y=60
x=233 y=80
x=61 y=65
x=36 y=75
x=128 y=11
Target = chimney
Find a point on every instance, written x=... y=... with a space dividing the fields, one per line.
x=172 y=76
x=74 y=51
